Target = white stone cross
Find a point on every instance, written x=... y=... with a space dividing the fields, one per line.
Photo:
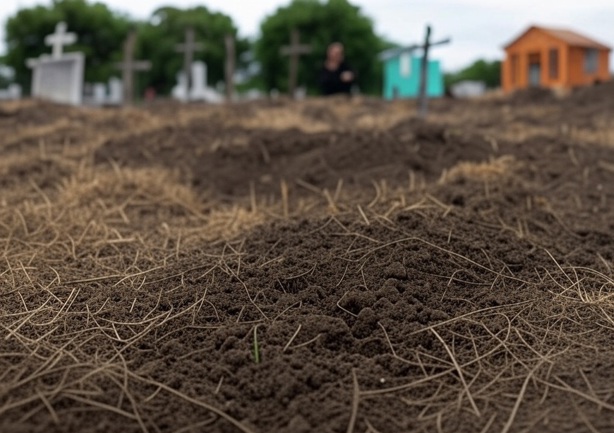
x=59 y=39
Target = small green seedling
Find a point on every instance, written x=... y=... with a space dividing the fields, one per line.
x=256 y=346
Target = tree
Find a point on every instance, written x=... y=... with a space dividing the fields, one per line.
x=480 y=70
x=319 y=24
x=100 y=33
x=166 y=28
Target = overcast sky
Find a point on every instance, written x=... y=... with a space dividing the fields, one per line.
x=478 y=28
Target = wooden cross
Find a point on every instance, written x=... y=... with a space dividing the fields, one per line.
x=188 y=48
x=229 y=70
x=423 y=96
x=59 y=39
x=294 y=51
x=129 y=66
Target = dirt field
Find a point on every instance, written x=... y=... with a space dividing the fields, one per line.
x=322 y=266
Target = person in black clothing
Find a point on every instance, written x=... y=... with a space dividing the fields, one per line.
x=336 y=76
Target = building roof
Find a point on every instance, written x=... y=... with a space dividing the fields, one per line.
x=570 y=37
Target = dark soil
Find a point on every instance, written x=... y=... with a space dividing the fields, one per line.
x=478 y=298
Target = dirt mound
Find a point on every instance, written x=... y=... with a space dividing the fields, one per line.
x=455 y=280
x=227 y=160
x=532 y=95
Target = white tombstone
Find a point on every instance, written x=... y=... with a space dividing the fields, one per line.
x=253 y=95
x=468 y=89
x=99 y=94
x=12 y=92
x=59 y=77
x=300 y=93
x=199 y=80
x=116 y=92
x=58 y=80
x=199 y=90
x=180 y=91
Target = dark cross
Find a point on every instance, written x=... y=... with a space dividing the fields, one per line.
x=423 y=96
x=188 y=48
x=129 y=66
x=294 y=51
x=229 y=70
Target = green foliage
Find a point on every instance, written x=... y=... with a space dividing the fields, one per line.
x=319 y=24
x=481 y=70
x=100 y=35
x=166 y=28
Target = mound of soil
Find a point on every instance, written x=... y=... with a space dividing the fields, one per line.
x=226 y=160
x=478 y=298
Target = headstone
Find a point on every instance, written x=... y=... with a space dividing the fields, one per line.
x=180 y=91
x=12 y=92
x=116 y=92
x=199 y=81
x=468 y=89
x=99 y=94
x=252 y=95
x=294 y=51
x=104 y=94
x=199 y=91
x=129 y=66
x=300 y=93
x=188 y=48
x=58 y=77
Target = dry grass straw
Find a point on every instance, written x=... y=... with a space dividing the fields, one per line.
x=535 y=341
x=481 y=171
x=66 y=253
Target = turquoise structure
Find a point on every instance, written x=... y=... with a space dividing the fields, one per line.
x=402 y=72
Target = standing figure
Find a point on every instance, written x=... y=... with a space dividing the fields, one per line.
x=336 y=76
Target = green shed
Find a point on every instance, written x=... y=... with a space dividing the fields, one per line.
x=402 y=72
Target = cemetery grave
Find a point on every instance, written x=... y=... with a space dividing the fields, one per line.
x=324 y=265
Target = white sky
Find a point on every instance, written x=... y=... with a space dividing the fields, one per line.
x=478 y=28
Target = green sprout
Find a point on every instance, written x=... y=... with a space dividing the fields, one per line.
x=256 y=346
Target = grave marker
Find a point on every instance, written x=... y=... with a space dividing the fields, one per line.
x=423 y=97
x=12 y=92
x=116 y=91
x=129 y=66
x=199 y=91
x=199 y=81
x=188 y=48
x=229 y=70
x=58 y=77
x=294 y=51
x=59 y=39
x=99 y=94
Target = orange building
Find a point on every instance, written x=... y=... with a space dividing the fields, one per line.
x=554 y=58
